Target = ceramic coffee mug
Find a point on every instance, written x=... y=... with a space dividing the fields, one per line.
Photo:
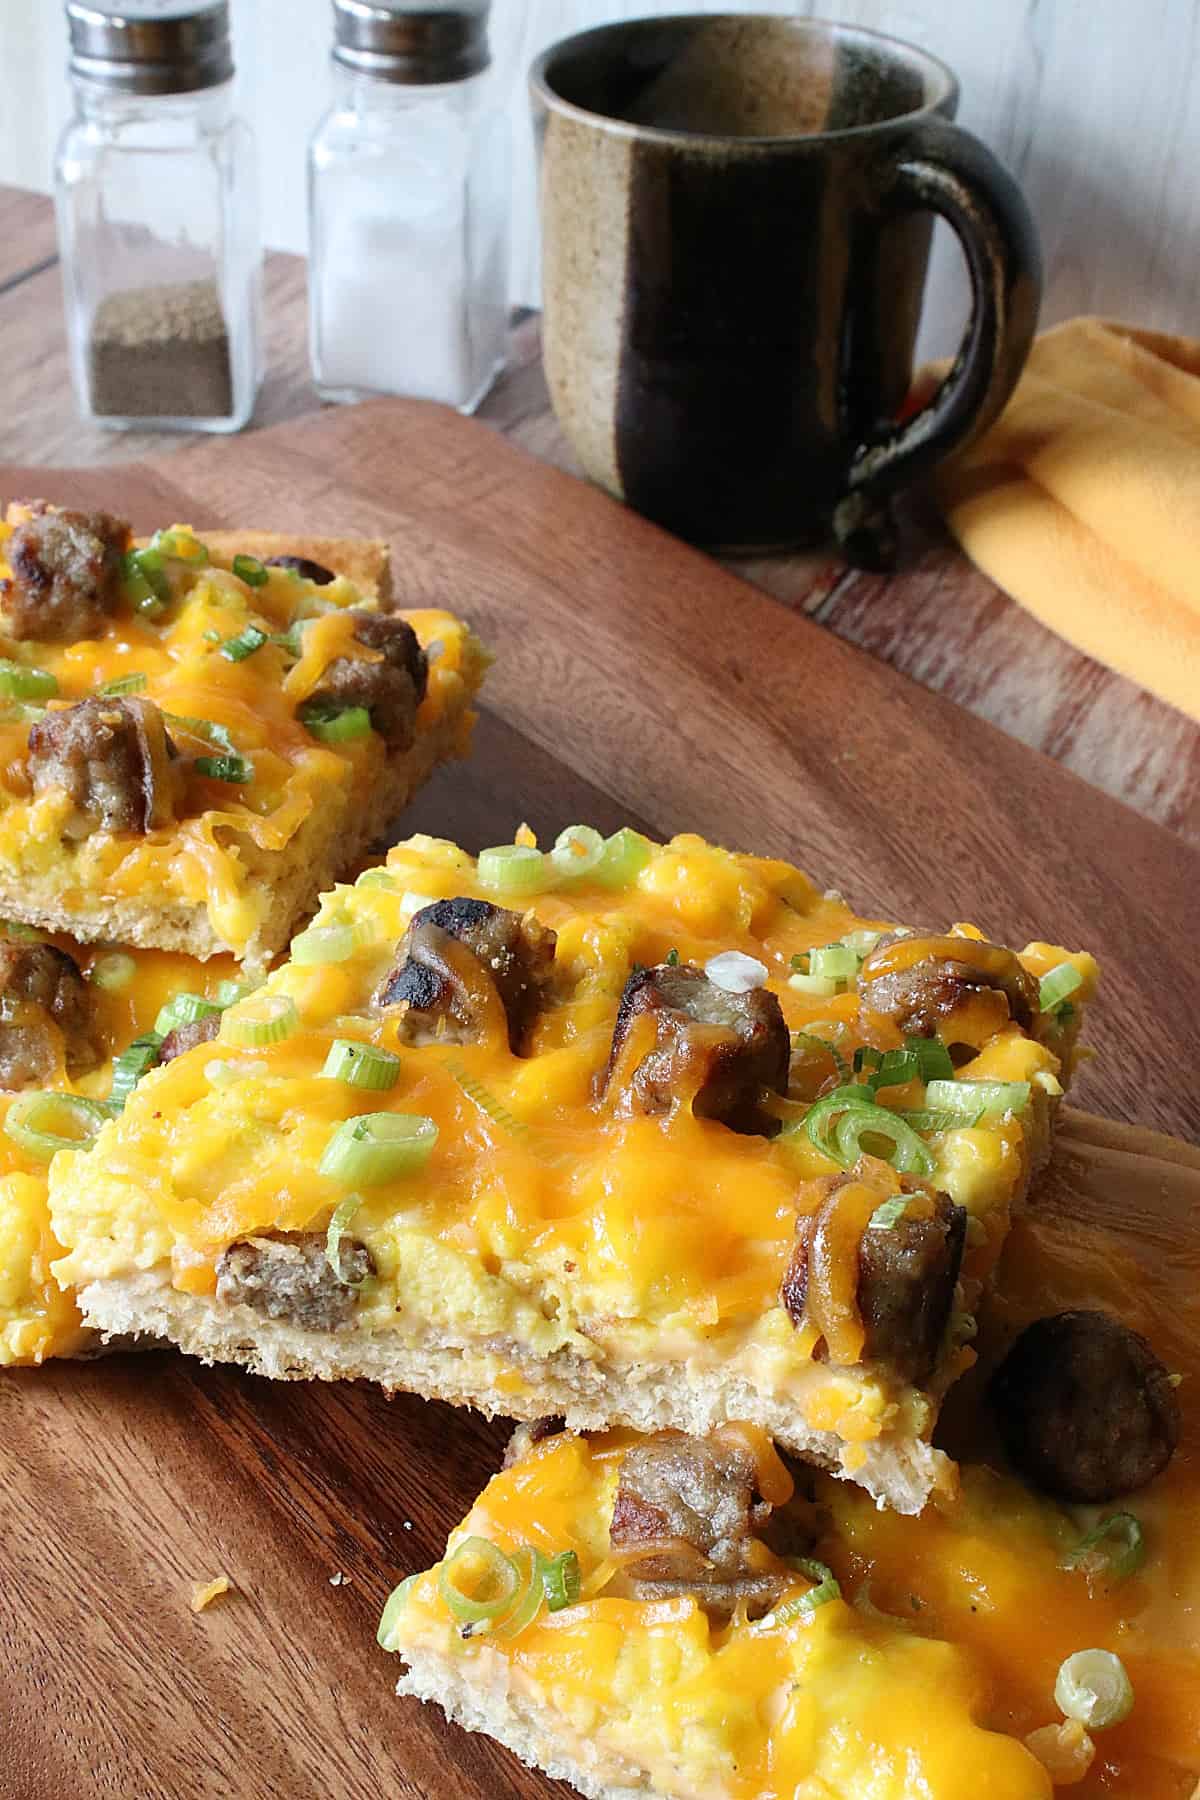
x=736 y=216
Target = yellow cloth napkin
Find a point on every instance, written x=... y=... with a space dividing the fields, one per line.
x=1083 y=500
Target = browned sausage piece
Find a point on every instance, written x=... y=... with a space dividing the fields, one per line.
x=692 y=1503
x=45 y=1003
x=1085 y=1408
x=919 y=981
x=186 y=1037
x=305 y=567
x=391 y=690
x=66 y=574
x=288 y=1276
x=458 y=961
x=719 y=1050
x=907 y=1274
x=114 y=759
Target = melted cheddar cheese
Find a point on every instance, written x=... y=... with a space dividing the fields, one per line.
x=38 y=1317
x=840 y=1703
x=220 y=853
x=547 y=1221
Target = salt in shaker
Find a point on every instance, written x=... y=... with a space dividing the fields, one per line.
x=157 y=205
x=408 y=207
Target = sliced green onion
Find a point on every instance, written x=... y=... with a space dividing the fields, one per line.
x=1118 y=1543
x=887 y=1068
x=908 y=1154
x=933 y=1058
x=184 y=1009
x=361 y=1065
x=207 y=730
x=971 y=1096
x=529 y=1564
x=672 y=958
x=322 y=944
x=514 y=869
x=238 y=648
x=1093 y=1687
x=377 y=878
x=396 y=1602
x=184 y=546
x=818 y=1121
x=827 y=1588
x=112 y=971
x=146 y=581
x=887 y=1216
x=626 y=854
x=335 y=724
x=233 y=769
x=1055 y=987
x=809 y=1040
x=132 y=1064
x=561 y=1580
x=42 y=1124
x=263 y=1019
x=230 y=992
x=862 y=942
x=251 y=571
x=493 y=1578
x=927 y=1118
x=342 y=1215
x=577 y=852
x=836 y=960
x=123 y=684
x=822 y=986
x=378 y=1146
x=19 y=683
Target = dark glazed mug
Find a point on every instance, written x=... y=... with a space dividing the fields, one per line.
x=736 y=213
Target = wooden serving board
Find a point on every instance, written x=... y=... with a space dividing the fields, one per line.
x=635 y=682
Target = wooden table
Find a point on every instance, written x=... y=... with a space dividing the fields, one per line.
x=941 y=622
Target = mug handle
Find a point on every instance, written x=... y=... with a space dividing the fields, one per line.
x=942 y=168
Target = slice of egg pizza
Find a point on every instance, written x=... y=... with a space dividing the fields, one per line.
x=638 y=1134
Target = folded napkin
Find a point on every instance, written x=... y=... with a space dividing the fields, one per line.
x=1083 y=500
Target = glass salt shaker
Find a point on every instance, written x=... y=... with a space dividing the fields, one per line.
x=408 y=207
x=157 y=202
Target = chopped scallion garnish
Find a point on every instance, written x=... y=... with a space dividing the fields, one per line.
x=397 y=1600
x=1117 y=1545
x=577 y=852
x=132 y=1064
x=342 y=1215
x=377 y=1147
x=184 y=1009
x=123 y=684
x=262 y=1019
x=321 y=944
x=335 y=724
x=181 y=544
x=889 y=1214
x=973 y=1096
x=145 y=581
x=1057 y=986
x=514 y=869
x=251 y=571
x=42 y=1124
x=232 y=769
x=478 y=1582
x=1093 y=1687
x=247 y=641
x=113 y=971
x=361 y=1065
x=837 y=961
x=561 y=1580
x=933 y=1058
x=626 y=854
x=19 y=683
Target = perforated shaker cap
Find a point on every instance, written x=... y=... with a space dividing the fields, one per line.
x=151 y=46
x=443 y=40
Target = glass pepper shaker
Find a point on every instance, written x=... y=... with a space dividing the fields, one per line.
x=157 y=203
x=408 y=208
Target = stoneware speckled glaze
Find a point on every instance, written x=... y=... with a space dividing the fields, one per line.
x=736 y=220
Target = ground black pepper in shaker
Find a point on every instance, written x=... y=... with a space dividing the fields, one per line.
x=161 y=352
x=158 y=219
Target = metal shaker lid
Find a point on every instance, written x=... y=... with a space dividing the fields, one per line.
x=440 y=41
x=151 y=46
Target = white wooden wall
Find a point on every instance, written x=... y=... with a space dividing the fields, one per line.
x=1094 y=104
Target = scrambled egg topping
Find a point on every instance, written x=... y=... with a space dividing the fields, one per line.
x=38 y=1317
x=543 y=1218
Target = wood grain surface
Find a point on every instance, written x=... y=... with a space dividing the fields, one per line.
x=636 y=679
